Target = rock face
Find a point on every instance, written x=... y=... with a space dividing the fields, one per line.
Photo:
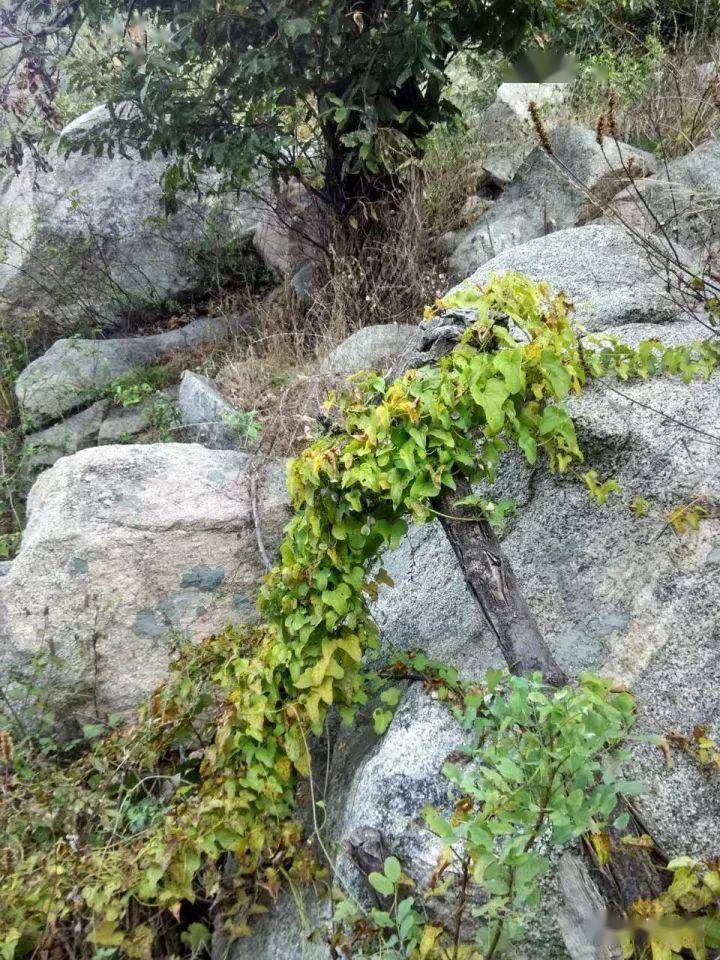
x=507 y=128
x=205 y=412
x=368 y=349
x=417 y=613
x=606 y=274
x=549 y=194
x=97 y=425
x=126 y=424
x=389 y=788
x=128 y=552
x=44 y=448
x=73 y=371
x=87 y=243
x=698 y=170
x=627 y=596
x=681 y=203
x=296 y=926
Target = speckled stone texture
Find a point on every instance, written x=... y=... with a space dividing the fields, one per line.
x=130 y=551
x=549 y=194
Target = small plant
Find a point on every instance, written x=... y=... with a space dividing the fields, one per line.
x=541 y=767
x=394 y=931
x=246 y=424
x=142 y=388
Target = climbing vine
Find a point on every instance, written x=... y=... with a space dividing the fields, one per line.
x=111 y=846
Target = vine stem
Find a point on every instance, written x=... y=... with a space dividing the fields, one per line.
x=461 y=907
x=529 y=844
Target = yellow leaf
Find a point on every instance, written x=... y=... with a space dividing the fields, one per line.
x=106 y=934
x=602 y=846
x=429 y=939
x=643 y=841
x=351 y=646
x=138 y=944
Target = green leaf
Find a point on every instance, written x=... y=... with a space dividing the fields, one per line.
x=391 y=696
x=437 y=824
x=381 y=883
x=92 y=730
x=491 y=398
x=560 y=379
x=381 y=720
x=631 y=788
x=393 y=870
x=527 y=444
x=196 y=935
x=381 y=918
x=509 y=364
x=338 y=598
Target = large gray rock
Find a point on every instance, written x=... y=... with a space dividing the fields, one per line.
x=699 y=170
x=79 y=431
x=671 y=211
x=99 y=424
x=399 y=775
x=206 y=413
x=681 y=203
x=376 y=784
x=130 y=551
x=368 y=349
x=73 y=372
x=86 y=244
x=507 y=129
x=549 y=194
x=418 y=613
x=601 y=269
x=626 y=595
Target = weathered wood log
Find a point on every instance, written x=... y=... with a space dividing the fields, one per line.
x=493 y=583
x=631 y=873
x=582 y=922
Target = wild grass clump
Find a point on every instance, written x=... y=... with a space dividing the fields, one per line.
x=452 y=166
x=665 y=103
x=375 y=272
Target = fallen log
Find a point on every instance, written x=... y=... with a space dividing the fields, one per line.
x=630 y=873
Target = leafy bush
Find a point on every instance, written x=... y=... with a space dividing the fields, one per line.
x=223 y=88
x=539 y=767
x=594 y=26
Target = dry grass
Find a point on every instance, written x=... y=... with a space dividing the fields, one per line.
x=667 y=106
x=379 y=274
x=451 y=168
x=286 y=399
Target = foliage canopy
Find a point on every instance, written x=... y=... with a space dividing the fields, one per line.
x=334 y=92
